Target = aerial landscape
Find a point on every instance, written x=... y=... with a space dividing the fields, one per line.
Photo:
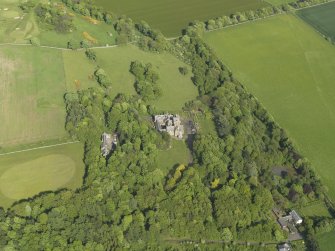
x=167 y=125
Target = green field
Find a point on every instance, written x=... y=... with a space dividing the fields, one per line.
x=31 y=95
x=171 y=16
x=321 y=18
x=25 y=174
x=291 y=70
x=176 y=88
x=327 y=241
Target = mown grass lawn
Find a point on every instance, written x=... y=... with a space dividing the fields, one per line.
x=290 y=68
x=26 y=174
x=171 y=16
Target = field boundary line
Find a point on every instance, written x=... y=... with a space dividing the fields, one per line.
x=40 y=147
x=61 y=48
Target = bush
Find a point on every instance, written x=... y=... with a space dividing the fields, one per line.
x=183 y=70
x=35 y=41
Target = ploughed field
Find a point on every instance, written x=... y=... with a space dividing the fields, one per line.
x=290 y=68
x=321 y=18
x=171 y=16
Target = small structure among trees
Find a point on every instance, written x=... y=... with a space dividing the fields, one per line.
x=109 y=142
x=171 y=124
x=284 y=247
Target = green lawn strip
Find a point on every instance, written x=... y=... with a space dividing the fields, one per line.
x=33 y=85
x=25 y=174
x=171 y=16
x=321 y=18
x=289 y=68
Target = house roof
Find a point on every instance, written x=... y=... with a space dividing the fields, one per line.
x=295 y=216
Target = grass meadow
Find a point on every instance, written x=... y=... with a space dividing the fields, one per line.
x=290 y=68
x=26 y=174
x=321 y=18
x=171 y=16
x=176 y=88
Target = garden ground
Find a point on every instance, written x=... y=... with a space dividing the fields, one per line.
x=290 y=68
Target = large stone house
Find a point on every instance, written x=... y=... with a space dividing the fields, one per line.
x=171 y=124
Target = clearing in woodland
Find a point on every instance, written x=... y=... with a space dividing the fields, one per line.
x=290 y=68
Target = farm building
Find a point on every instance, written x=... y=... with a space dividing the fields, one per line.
x=171 y=124
x=108 y=142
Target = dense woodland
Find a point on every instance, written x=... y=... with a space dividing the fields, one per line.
x=226 y=193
